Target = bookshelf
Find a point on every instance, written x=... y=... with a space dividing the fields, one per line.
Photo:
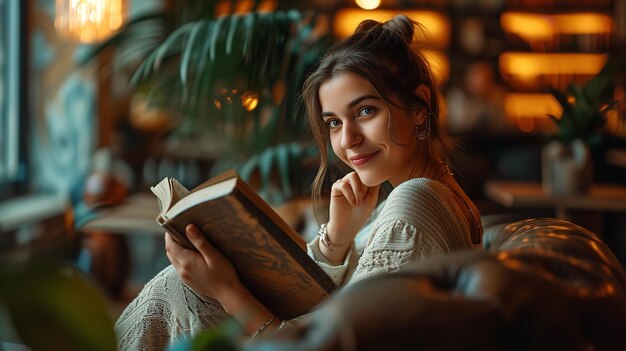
x=550 y=44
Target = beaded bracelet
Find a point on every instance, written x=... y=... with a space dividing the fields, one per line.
x=263 y=327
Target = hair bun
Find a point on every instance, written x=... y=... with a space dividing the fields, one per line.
x=366 y=25
x=402 y=25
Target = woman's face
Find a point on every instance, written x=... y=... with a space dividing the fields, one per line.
x=360 y=133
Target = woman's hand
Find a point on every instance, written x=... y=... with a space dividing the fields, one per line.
x=209 y=272
x=206 y=271
x=351 y=204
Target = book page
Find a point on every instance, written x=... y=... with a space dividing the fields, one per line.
x=168 y=191
x=202 y=195
x=178 y=191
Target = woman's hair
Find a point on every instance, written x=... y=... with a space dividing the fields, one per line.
x=381 y=53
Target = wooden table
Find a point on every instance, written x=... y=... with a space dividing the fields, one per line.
x=586 y=209
x=136 y=215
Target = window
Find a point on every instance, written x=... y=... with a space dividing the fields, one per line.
x=11 y=81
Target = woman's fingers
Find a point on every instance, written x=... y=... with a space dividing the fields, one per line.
x=171 y=246
x=344 y=189
x=181 y=257
x=352 y=189
x=174 y=252
x=360 y=190
x=172 y=259
x=371 y=197
x=199 y=241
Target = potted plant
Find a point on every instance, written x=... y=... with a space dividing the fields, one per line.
x=567 y=165
x=233 y=80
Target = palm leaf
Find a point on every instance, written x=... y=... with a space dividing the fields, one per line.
x=265 y=37
x=286 y=159
x=600 y=87
x=187 y=54
x=560 y=98
x=205 y=66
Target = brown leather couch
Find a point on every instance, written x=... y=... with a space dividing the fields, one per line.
x=538 y=284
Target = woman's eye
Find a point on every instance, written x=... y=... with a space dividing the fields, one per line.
x=333 y=123
x=366 y=111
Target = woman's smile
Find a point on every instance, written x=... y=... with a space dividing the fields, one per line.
x=363 y=159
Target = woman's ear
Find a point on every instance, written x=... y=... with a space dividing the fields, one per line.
x=423 y=93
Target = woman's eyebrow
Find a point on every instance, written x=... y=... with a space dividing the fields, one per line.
x=359 y=99
x=353 y=103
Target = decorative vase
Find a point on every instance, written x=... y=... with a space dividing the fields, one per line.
x=566 y=169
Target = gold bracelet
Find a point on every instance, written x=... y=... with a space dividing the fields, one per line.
x=263 y=327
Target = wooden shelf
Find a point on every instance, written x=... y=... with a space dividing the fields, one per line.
x=601 y=197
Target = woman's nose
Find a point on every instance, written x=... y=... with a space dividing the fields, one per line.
x=350 y=136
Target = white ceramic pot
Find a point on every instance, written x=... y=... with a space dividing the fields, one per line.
x=566 y=168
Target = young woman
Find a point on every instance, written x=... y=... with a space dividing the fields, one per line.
x=373 y=98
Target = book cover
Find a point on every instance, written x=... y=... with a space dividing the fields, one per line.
x=269 y=256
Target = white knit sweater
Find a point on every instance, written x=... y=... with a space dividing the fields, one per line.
x=419 y=218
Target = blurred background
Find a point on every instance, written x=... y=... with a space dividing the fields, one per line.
x=101 y=99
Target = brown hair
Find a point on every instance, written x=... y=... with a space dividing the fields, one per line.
x=381 y=53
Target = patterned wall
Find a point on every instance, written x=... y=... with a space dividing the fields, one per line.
x=62 y=106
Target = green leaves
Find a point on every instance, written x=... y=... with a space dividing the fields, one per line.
x=236 y=77
x=239 y=76
x=286 y=160
x=585 y=108
x=53 y=307
x=241 y=54
x=226 y=337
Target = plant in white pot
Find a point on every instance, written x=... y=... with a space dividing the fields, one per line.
x=567 y=165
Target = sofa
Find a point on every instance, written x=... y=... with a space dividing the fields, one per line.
x=536 y=284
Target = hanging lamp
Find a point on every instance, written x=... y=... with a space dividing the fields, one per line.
x=89 y=21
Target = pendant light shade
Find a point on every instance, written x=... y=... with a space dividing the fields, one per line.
x=89 y=21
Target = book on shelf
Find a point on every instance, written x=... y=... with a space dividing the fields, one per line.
x=269 y=256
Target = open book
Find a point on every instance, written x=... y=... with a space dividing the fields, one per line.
x=270 y=257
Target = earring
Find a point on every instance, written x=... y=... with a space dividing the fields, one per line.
x=425 y=131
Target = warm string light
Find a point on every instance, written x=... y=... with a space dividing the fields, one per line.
x=249 y=99
x=89 y=21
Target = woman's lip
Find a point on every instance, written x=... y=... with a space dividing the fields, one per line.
x=360 y=160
